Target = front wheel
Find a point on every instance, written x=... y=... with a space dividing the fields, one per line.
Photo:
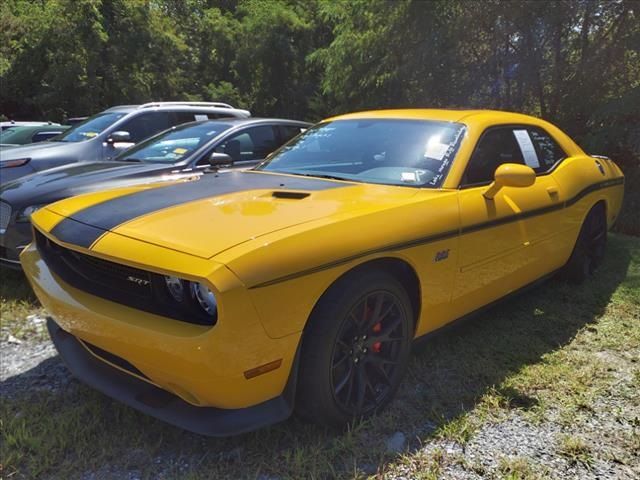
x=355 y=349
x=589 y=250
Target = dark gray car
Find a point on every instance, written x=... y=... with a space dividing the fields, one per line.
x=183 y=151
x=103 y=136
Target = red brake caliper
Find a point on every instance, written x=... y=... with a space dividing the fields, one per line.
x=377 y=328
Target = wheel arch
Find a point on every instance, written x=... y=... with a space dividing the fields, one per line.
x=398 y=268
x=600 y=201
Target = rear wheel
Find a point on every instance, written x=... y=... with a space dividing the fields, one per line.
x=355 y=349
x=590 y=247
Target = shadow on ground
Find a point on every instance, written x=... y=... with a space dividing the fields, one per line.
x=14 y=286
x=59 y=428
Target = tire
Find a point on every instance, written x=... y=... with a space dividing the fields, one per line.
x=590 y=247
x=355 y=349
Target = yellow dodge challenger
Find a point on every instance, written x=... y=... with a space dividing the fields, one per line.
x=224 y=303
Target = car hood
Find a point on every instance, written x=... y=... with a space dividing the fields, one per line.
x=213 y=213
x=78 y=178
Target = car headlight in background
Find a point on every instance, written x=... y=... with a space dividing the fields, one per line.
x=18 y=162
x=24 y=214
x=192 y=294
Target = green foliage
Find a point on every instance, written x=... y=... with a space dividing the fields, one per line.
x=573 y=62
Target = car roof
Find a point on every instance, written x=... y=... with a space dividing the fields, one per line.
x=241 y=122
x=445 y=115
x=18 y=123
x=169 y=106
x=257 y=121
x=35 y=128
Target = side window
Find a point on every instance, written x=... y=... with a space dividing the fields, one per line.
x=495 y=147
x=547 y=149
x=251 y=144
x=178 y=118
x=145 y=125
x=287 y=132
x=42 y=136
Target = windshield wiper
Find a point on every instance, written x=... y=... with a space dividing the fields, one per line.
x=131 y=159
x=321 y=175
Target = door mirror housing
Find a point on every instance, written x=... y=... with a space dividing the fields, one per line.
x=217 y=160
x=119 y=136
x=510 y=175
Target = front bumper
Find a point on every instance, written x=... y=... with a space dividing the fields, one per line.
x=205 y=366
x=16 y=237
x=161 y=404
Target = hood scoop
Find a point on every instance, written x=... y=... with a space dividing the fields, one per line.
x=289 y=195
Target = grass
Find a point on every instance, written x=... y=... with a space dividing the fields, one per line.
x=576 y=450
x=17 y=302
x=554 y=356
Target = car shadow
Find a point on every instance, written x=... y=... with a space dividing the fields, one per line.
x=447 y=377
x=14 y=286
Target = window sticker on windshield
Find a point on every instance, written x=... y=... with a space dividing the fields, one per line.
x=179 y=150
x=435 y=149
x=90 y=134
x=527 y=149
x=199 y=117
x=409 y=177
x=448 y=156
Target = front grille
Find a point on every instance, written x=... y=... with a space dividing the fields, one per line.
x=5 y=215
x=116 y=282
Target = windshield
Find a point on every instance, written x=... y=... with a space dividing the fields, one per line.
x=174 y=145
x=91 y=127
x=387 y=151
x=9 y=134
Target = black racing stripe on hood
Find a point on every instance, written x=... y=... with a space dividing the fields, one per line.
x=77 y=233
x=86 y=226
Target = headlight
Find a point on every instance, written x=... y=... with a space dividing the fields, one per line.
x=175 y=287
x=18 y=162
x=25 y=213
x=194 y=296
x=205 y=298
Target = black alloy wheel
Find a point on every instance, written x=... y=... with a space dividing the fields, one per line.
x=355 y=349
x=366 y=355
x=590 y=247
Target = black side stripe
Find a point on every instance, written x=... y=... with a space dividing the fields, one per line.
x=450 y=234
x=86 y=226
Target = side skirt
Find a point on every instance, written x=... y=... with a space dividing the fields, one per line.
x=419 y=342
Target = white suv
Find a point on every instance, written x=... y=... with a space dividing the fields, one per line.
x=103 y=136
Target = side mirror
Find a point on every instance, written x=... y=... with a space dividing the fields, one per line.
x=119 y=137
x=510 y=175
x=217 y=160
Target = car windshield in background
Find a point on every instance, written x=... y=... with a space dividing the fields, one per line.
x=174 y=145
x=387 y=151
x=90 y=128
x=8 y=134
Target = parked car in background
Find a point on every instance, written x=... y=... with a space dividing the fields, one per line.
x=14 y=123
x=75 y=120
x=106 y=134
x=15 y=136
x=302 y=283
x=183 y=151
